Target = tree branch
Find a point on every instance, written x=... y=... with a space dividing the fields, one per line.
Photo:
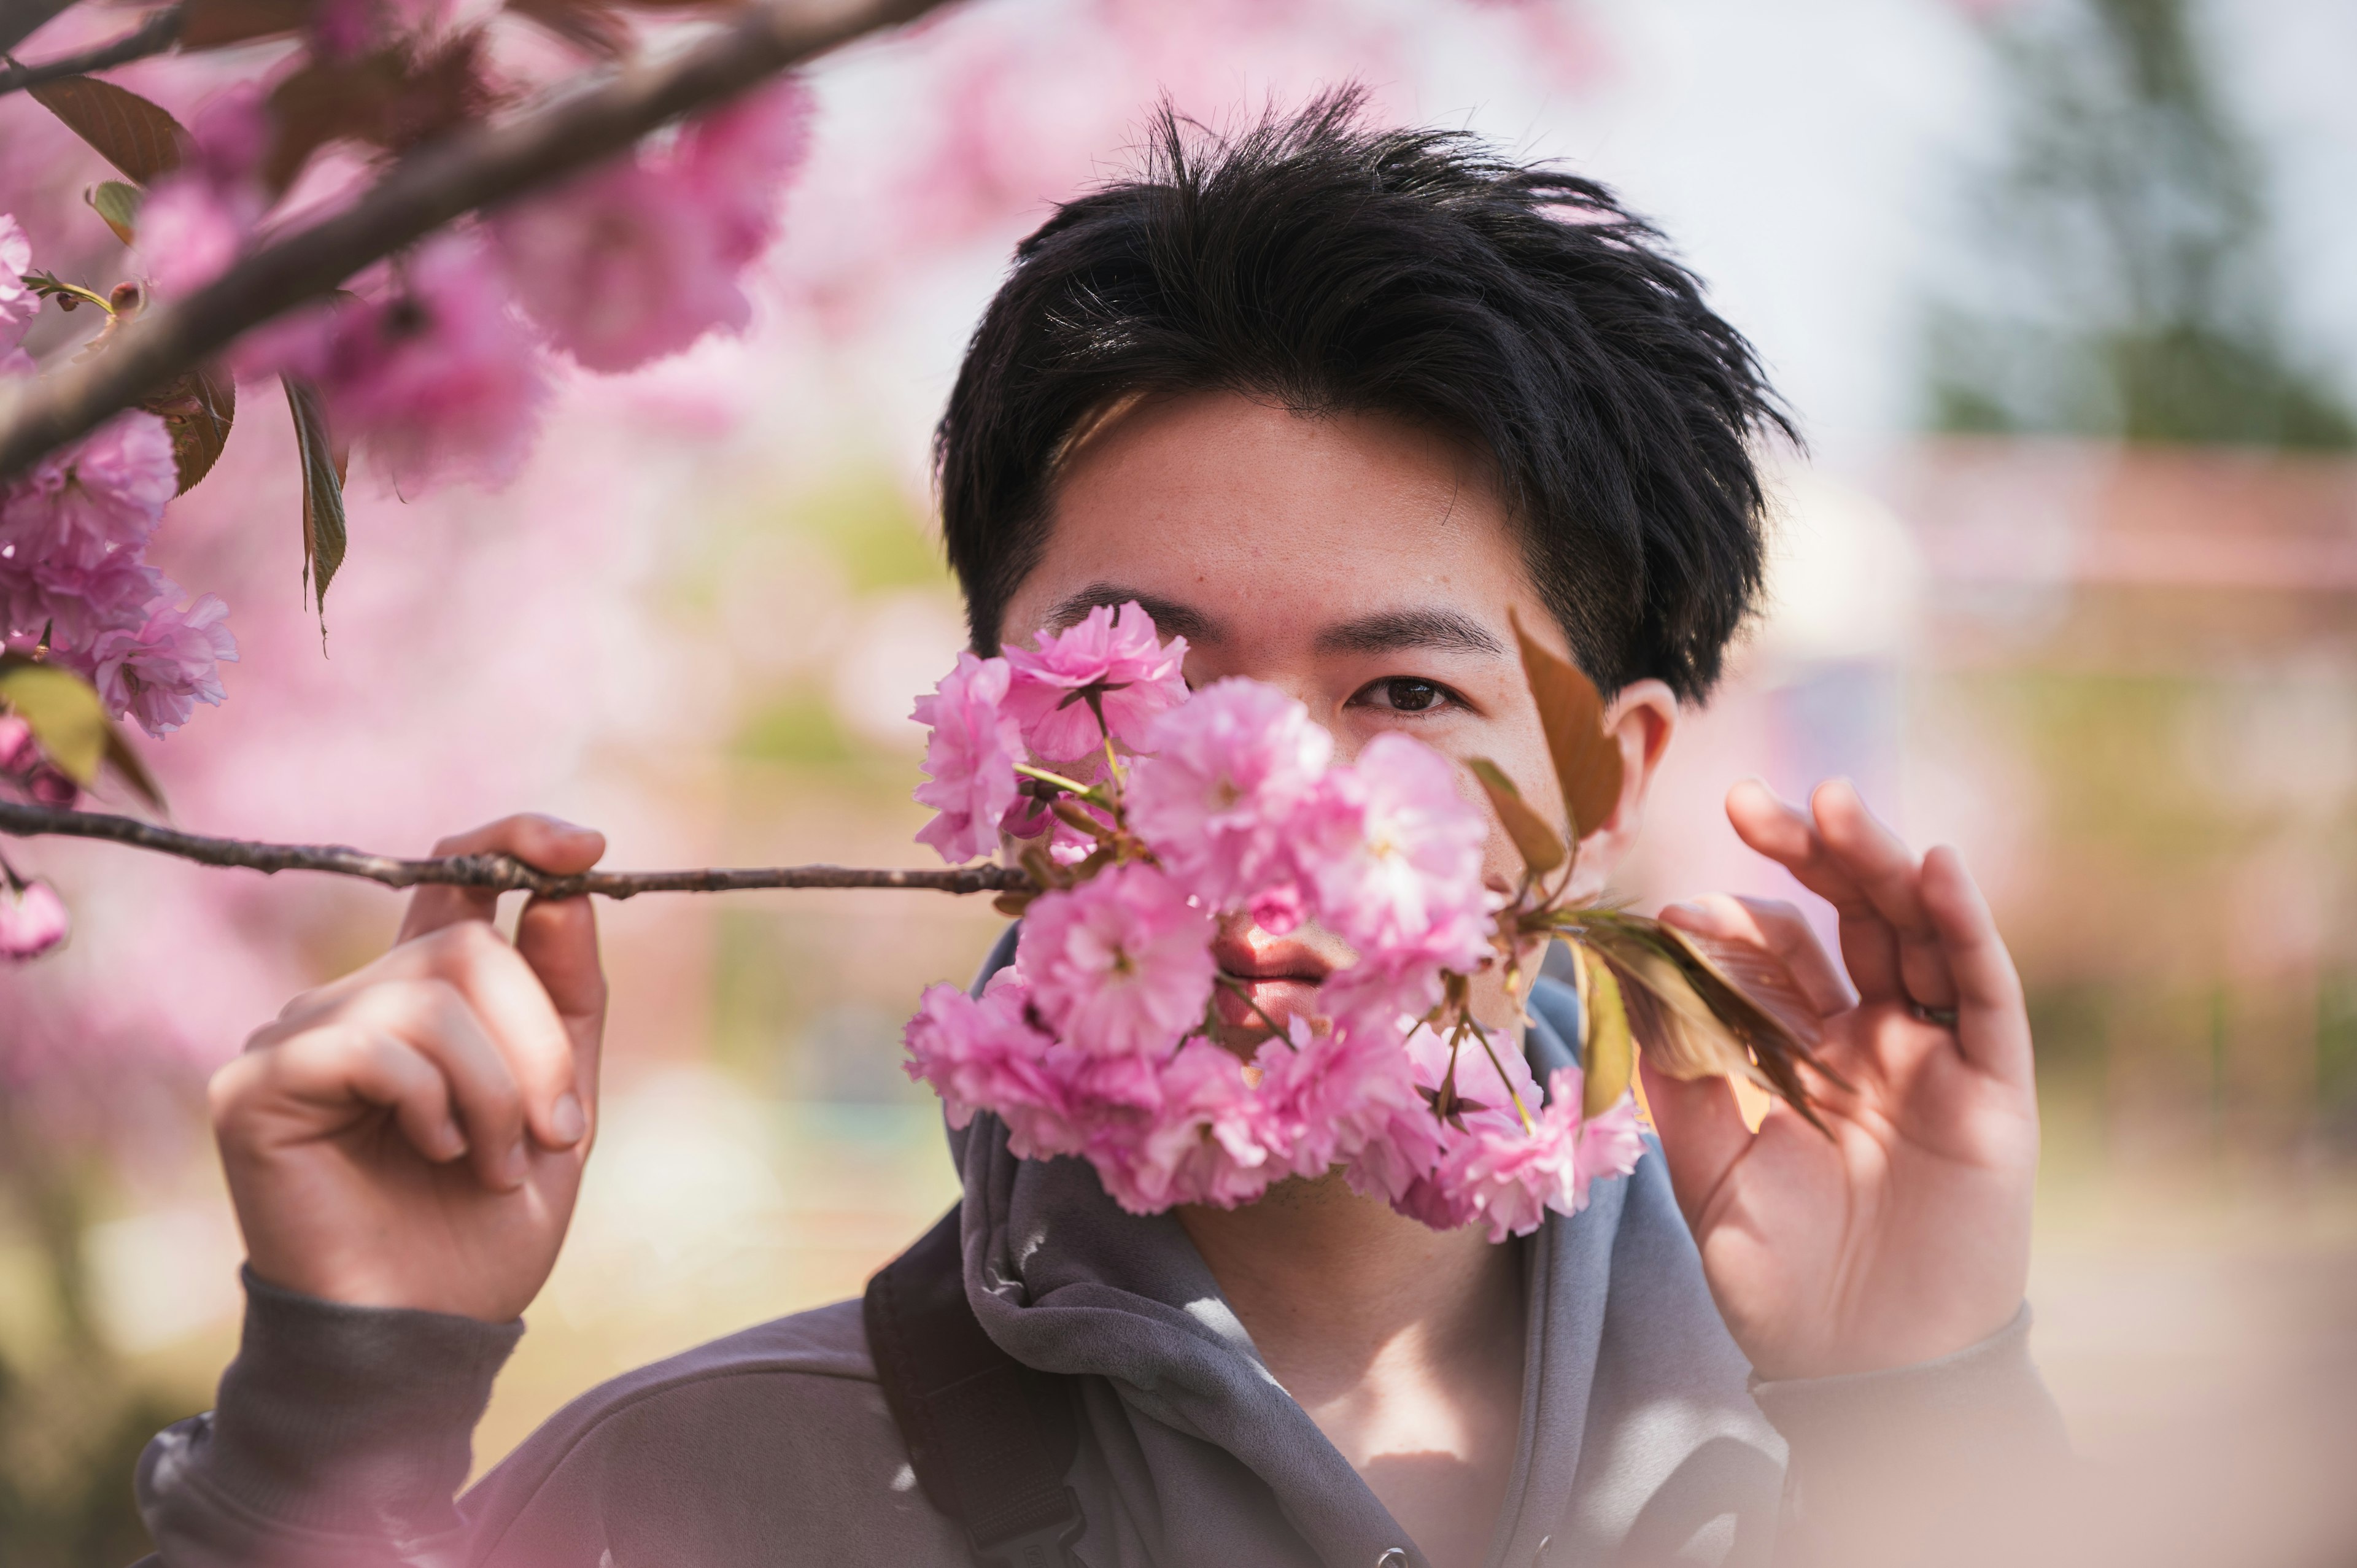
x=152 y=37
x=497 y=873
x=20 y=19
x=431 y=187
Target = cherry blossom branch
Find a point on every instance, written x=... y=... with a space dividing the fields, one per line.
x=490 y=872
x=158 y=33
x=20 y=19
x=433 y=185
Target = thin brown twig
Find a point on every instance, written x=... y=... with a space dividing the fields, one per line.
x=486 y=872
x=433 y=185
x=158 y=33
x=20 y=19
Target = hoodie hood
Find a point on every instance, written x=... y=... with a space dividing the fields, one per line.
x=1192 y=1452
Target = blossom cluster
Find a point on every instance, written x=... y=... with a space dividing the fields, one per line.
x=74 y=528
x=1158 y=823
x=437 y=365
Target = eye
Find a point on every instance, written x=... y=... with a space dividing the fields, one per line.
x=1406 y=695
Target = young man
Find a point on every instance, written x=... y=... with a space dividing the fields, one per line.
x=1333 y=404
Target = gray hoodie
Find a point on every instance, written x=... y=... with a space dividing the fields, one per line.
x=343 y=1432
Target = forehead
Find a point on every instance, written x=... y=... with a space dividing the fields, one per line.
x=1236 y=519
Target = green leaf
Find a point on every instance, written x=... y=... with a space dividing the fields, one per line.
x=1586 y=759
x=64 y=711
x=197 y=409
x=1608 y=1051
x=134 y=135
x=119 y=204
x=1540 y=846
x=323 y=491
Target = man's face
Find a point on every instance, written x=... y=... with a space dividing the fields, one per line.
x=1356 y=562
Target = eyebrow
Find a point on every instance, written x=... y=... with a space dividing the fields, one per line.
x=1394 y=631
x=1170 y=617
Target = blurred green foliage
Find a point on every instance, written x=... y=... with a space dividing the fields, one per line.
x=2124 y=287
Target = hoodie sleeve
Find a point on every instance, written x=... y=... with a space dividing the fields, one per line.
x=1943 y=1461
x=342 y=1435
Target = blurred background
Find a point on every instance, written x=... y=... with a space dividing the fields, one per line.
x=2064 y=295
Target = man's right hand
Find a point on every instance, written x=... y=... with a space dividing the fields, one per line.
x=414 y=1133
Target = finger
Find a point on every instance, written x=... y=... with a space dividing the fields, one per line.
x=432 y=1015
x=1702 y=1131
x=336 y=1067
x=1892 y=879
x=1789 y=836
x=559 y=941
x=1992 y=1023
x=548 y=842
x=523 y=1019
x=1781 y=929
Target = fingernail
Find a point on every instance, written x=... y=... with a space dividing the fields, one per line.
x=566 y=1120
x=449 y=1141
x=1682 y=908
x=514 y=1164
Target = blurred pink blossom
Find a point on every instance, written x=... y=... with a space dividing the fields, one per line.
x=196 y=220
x=739 y=160
x=73 y=506
x=642 y=257
x=1120 y=964
x=33 y=918
x=26 y=768
x=1229 y=766
x=18 y=305
x=436 y=377
x=970 y=758
x=1111 y=662
x=161 y=672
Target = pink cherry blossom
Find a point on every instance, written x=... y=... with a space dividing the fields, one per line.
x=197 y=218
x=970 y=758
x=1229 y=766
x=642 y=257
x=739 y=160
x=33 y=918
x=1121 y=964
x=18 y=304
x=1110 y=662
x=26 y=767
x=76 y=605
x=104 y=493
x=985 y=1055
x=1393 y=853
x=436 y=377
x=161 y=672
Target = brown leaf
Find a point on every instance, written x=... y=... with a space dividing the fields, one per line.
x=1760 y=976
x=211 y=24
x=1540 y=846
x=1608 y=1052
x=198 y=409
x=390 y=98
x=1586 y=759
x=593 y=26
x=131 y=770
x=1697 y=1020
x=324 y=536
x=134 y=135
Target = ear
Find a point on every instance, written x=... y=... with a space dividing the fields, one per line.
x=1641 y=718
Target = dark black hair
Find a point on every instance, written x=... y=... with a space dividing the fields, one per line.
x=1338 y=269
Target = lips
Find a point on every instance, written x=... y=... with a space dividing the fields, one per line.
x=1268 y=975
